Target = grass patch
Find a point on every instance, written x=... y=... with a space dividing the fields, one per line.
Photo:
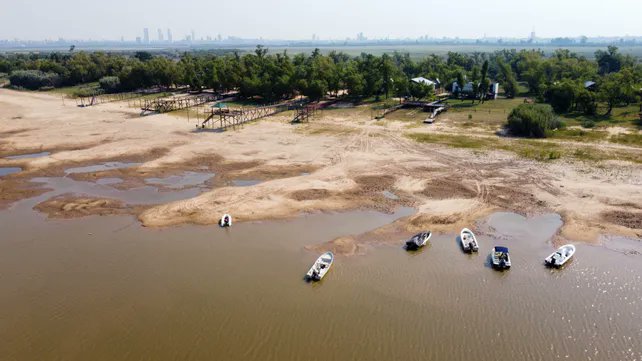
x=532 y=149
x=455 y=141
x=634 y=139
x=580 y=135
x=540 y=150
x=621 y=116
x=408 y=115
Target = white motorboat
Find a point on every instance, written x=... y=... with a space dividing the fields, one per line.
x=418 y=240
x=468 y=240
x=561 y=256
x=226 y=221
x=500 y=257
x=320 y=267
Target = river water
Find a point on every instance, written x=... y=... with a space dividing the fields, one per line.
x=105 y=288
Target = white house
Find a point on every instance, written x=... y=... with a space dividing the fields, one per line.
x=493 y=90
x=422 y=80
x=468 y=88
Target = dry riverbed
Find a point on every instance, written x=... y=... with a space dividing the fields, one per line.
x=272 y=169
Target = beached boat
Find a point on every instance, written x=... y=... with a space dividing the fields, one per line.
x=320 y=267
x=468 y=240
x=500 y=257
x=561 y=256
x=226 y=221
x=418 y=240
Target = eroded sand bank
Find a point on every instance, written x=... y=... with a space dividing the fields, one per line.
x=338 y=162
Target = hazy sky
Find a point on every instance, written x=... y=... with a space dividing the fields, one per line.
x=299 y=19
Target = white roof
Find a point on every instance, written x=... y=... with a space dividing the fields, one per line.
x=423 y=81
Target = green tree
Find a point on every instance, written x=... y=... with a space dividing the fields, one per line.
x=484 y=83
x=507 y=77
x=609 y=61
x=585 y=102
x=562 y=96
x=616 y=88
x=420 y=91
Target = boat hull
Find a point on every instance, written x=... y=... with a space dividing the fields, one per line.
x=468 y=241
x=560 y=257
x=418 y=241
x=320 y=267
x=223 y=223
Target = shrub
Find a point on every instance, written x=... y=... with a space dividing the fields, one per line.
x=588 y=124
x=532 y=120
x=110 y=84
x=33 y=79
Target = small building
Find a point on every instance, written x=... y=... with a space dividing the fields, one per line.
x=493 y=89
x=421 y=80
x=468 y=88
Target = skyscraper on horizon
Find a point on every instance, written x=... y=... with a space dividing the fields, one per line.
x=160 y=35
x=193 y=35
x=169 y=35
x=146 y=35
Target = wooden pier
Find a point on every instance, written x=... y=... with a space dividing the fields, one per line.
x=100 y=98
x=88 y=101
x=305 y=112
x=226 y=117
x=233 y=117
x=169 y=104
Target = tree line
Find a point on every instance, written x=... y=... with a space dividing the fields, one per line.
x=559 y=79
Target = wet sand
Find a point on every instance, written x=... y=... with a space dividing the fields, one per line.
x=274 y=170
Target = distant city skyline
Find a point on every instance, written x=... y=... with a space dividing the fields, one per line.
x=330 y=19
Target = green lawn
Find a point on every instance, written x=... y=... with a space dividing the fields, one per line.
x=491 y=114
x=621 y=116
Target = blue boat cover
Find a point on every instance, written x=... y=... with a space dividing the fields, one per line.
x=501 y=249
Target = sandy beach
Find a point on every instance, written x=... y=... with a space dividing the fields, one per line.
x=342 y=160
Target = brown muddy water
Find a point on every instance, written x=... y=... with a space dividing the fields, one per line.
x=105 y=288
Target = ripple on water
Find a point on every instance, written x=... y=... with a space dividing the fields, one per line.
x=508 y=225
x=388 y=305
